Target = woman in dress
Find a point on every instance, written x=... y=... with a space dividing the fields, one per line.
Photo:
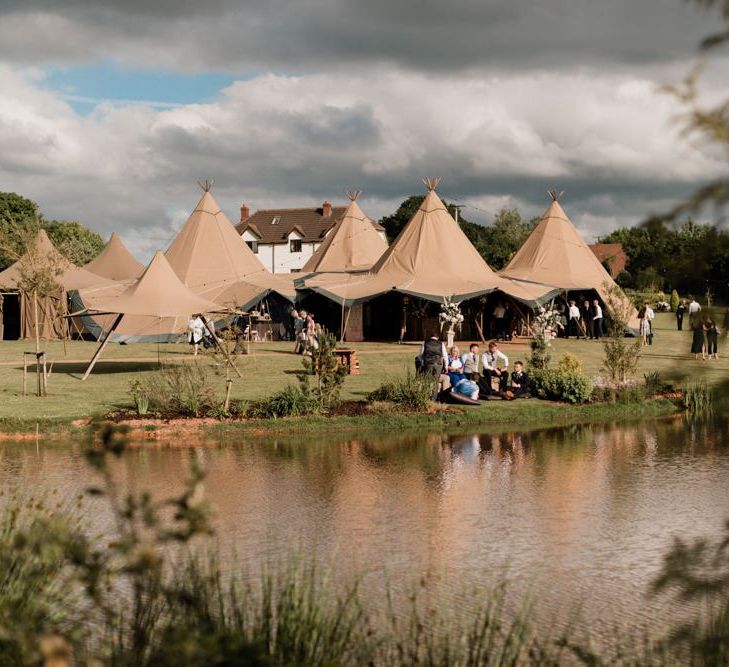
x=698 y=341
x=455 y=366
x=645 y=326
x=196 y=331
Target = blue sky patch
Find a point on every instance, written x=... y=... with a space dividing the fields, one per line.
x=85 y=86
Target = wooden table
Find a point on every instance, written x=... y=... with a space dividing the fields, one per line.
x=348 y=359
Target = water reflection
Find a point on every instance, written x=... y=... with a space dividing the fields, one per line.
x=586 y=510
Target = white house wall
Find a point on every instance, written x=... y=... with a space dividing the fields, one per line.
x=277 y=257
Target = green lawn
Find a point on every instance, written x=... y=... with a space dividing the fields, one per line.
x=271 y=366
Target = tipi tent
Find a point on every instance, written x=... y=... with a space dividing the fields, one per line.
x=432 y=259
x=115 y=262
x=212 y=259
x=51 y=306
x=555 y=254
x=158 y=294
x=353 y=245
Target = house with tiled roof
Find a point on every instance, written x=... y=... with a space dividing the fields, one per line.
x=284 y=239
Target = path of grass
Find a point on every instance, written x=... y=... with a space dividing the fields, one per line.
x=271 y=366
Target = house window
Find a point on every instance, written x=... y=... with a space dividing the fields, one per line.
x=295 y=270
x=253 y=245
x=276 y=220
x=295 y=245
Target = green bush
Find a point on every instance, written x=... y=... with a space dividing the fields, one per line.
x=674 y=300
x=326 y=373
x=560 y=385
x=178 y=390
x=413 y=391
x=654 y=383
x=569 y=363
x=697 y=399
x=291 y=401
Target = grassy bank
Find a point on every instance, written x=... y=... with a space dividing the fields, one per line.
x=271 y=366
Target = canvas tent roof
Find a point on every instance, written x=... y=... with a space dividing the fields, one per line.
x=354 y=244
x=556 y=254
x=115 y=261
x=158 y=293
x=431 y=258
x=211 y=258
x=69 y=276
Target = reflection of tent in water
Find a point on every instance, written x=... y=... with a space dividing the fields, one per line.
x=555 y=254
x=44 y=257
x=431 y=259
x=212 y=260
x=115 y=262
x=158 y=295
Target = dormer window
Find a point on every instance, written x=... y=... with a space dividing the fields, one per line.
x=276 y=220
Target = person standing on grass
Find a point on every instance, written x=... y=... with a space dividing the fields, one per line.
x=586 y=312
x=693 y=310
x=596 y=320
x=298 y=328
x=196 y=331
x=680 y=310
x=698 y=340
x=500 y=321
x=712 y=339
x=644 y=327
x=573 y=323
x=649 y=315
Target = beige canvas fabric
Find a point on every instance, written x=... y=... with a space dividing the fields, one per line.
x=158 y=293
x=353 y=244
x=211 y=258
x=115 y=262
x=555 y=254
x=158 y=304
x=69 y=276
x=431 y=258
x=51 y=308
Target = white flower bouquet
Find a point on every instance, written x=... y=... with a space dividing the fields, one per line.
x=450 y=314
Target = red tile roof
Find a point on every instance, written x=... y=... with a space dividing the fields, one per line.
x=613 y=254
x=309 y=223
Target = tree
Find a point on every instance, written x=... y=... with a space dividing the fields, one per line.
x=20 y=218
x=77 y=243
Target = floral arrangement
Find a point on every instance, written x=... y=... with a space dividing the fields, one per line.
x=547 y=322
x=450 y=313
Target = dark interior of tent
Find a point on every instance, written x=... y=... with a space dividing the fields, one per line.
x=11 y=316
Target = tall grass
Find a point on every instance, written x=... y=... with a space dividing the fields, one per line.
x=698 y=399
x=412 y=391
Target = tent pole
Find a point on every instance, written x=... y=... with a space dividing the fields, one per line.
x=346 y=323
x=219 y=346
x=98 y=352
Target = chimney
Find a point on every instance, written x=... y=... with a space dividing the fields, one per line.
x=326 y=209
x=245 y=212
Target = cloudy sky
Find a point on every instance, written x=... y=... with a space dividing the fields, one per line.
x=111 y=111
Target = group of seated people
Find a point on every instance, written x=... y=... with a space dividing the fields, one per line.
x=472 y=374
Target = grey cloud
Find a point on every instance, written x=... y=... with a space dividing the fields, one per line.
x=311 y=35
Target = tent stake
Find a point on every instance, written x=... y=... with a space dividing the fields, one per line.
x=101 y=347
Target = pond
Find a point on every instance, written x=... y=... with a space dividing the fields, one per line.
x=581 y=515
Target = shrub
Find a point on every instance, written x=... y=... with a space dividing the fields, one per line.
x=328 y=374
x=674 y=300
x=540 y=352
x=569 y=363
x=697 y=399
x=559 y=385
x=183 y=389
x=621 y=357
x=413 y=391
x=140 y=397
x=654 y=383
x=291 y=401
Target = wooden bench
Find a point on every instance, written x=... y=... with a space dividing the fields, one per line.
x=348 y=359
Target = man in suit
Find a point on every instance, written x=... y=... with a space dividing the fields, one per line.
x=520 y=381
